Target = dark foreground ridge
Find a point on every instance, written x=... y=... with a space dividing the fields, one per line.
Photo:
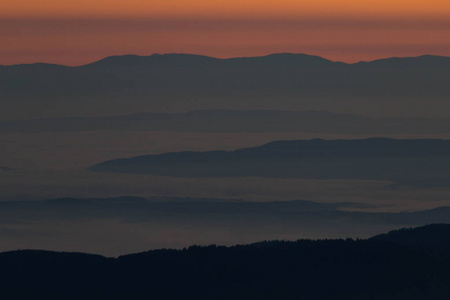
x=371 y=159
x=405 y=264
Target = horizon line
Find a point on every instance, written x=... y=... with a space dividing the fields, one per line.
x=224 y=58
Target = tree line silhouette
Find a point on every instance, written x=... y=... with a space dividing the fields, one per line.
x=399 y=265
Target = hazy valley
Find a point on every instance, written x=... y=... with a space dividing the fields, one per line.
x=138 y=153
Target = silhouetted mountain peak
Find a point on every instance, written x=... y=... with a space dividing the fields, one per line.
x=130 y=60
x=180 y=59
x=115 y=59
x=287 y=58
x=34 y=67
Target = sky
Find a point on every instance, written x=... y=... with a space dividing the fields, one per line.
x=80 y=32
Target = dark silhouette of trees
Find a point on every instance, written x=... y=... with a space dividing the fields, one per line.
x=378 y=268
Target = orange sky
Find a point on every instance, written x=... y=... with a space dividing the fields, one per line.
x=222 y=8
x=77 y=32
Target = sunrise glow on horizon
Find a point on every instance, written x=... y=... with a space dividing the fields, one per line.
x=222 y=8
x=79 y=32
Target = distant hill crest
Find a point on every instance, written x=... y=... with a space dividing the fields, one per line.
x=169 y=83
x=286 y=57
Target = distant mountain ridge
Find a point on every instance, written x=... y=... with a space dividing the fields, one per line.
x=193 y=58
x=180 y=82
x=237 y=121
x=372 y=159
x=278 y=58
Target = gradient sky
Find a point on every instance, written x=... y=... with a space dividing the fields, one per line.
x=79 y=32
